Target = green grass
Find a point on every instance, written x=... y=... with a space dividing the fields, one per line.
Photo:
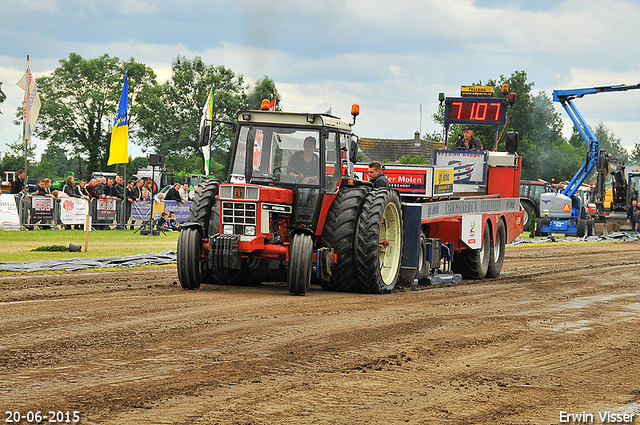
x=17 y=245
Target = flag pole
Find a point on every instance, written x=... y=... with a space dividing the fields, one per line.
x=25 y=118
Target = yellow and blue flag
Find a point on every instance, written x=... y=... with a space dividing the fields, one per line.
x=119 y=149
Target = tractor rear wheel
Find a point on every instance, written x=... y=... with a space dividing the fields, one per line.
x=497 y=254
x=204 y=198
x=379 y=242
x=300 y=264
x=190 y=262
x=339 y=233
x=474 y=263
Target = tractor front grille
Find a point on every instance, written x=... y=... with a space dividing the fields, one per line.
x=242 y=215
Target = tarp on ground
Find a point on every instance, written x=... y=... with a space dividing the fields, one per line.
x=168 y=256
x=613 y=236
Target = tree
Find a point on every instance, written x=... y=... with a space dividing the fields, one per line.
x=264 y=89
x=54 y=163
x=79 y=102
x=15 y=161
x=2 y=95
x=611 y=143
x=169 y=114
x=635 y=155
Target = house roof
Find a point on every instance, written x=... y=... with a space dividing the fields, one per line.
x=392 y=149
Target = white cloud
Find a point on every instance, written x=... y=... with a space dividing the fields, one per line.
x=49 y=5
x=135 y=7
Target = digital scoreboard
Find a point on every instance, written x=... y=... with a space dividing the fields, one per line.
x=475 y=110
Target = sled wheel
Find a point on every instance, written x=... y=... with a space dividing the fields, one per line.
x=423 y=264
x=300 y=264
x=379 y=242
x=497 y=254
x=190 y=261
x=474 y=263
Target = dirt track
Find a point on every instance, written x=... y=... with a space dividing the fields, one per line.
x=557 y=331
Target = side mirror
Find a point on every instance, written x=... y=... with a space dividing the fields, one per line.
x=512 y=141
x=205 y=135
x=353 y=151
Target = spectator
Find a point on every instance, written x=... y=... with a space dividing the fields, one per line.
x=146 y=195
x=47 y=187
x=69 y=188
x=139 y=184
x=103 y=185
x=137 y=191
x=633 y=215
x=17 y=185
x=163 y=224
x=173 y=224
x=173 y=194
x=131 y=195
x=184 y=192
x=79 y=189
x=148 y=184
x=93 y=188
x=72 y=190
x=159 y=197
x=118 y=192
x=108 y=189
x=41 y=190
x=119 y=187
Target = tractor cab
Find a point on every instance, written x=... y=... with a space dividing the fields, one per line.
x=296 y=151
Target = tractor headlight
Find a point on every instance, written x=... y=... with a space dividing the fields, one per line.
x=250 y=230
x=227 y=229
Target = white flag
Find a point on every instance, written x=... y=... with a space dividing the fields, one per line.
x=31 y=105
x=207 y=120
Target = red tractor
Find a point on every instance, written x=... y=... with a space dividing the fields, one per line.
x=291 y=197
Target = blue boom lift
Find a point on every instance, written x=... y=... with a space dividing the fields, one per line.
x=564 y=212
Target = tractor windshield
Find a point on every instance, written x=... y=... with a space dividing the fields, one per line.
x=279 y=154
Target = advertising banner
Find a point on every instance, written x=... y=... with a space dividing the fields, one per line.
x=181 y=210
x=140 y=211
x=106 y=210
x=73 y=210
x=9 y=218
x=468 y=166
x=42 y=208
x=414 y=180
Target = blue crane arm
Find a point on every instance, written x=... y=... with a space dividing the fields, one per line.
x=565 y=97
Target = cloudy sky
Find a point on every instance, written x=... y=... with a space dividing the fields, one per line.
x=390 y=57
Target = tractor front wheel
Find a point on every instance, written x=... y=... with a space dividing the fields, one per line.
x=300 y=264
x=190 y=261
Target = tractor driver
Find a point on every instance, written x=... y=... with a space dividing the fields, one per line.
x=305 y=164
x=468 y=142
